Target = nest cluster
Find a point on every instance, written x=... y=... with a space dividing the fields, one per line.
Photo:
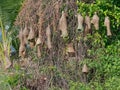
x=41 y=20
x=51 y=26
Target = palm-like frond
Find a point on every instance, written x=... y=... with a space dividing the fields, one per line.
x=9 y=10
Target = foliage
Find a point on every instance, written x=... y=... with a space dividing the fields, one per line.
x=9 y=10
x=4 y=85
x=104 y=55
x=5 y=45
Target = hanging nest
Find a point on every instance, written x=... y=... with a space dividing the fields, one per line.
x=107 y=24
x=31 y=36
x=80 y=22
x=22 y=51
x=63 y=25
x=85 y=69
x=20 y=36
x=38 y=41
x=23 y=42
x=70 y=50
x=95 y=21
x=32 y=44
x=87 y=25
x=25 y=34
x=48 y=34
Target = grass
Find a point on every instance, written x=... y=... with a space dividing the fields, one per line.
x=5 y=47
